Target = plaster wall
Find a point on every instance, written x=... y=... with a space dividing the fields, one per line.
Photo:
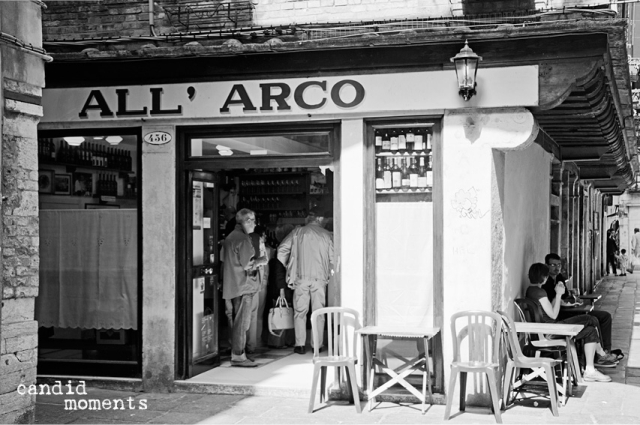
x=158 y=263
x=526 y=218
x=476 y=148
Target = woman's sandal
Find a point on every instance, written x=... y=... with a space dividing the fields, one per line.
x=618 y=353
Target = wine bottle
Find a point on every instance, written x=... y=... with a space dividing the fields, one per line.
x=413 y=174
x=379 y=175
x=405 y=175
x=410 y=141
x=386 y=174
x=402 y=142
x=422 y=175
x=386 y=142
x=393 y=145
x=52 y=150
x=396 y=176
x=418 y=145
x=378 y=141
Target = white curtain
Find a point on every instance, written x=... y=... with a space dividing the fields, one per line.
x=88 y=269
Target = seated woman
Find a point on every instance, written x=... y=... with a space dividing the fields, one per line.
x=538 y=274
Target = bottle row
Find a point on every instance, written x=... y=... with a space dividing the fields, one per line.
x=105 y=185
x=403 y=174
x=283 y=216
x=88 y=154
x=261 y=202
x=402 y=141
x=272 y=185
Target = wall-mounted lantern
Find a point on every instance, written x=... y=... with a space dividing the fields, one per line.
x=466 y=63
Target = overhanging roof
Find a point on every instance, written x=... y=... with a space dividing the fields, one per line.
x=586 y=104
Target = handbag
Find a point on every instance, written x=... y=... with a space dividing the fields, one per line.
x=280 y=317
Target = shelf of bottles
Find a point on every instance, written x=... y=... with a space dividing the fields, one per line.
x=403 y=160
x=87 y=155
x=285 y=185
x=112 y=164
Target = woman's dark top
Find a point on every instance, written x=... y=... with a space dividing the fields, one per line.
x=277 y=281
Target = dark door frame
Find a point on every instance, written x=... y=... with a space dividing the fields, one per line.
x=215 y=164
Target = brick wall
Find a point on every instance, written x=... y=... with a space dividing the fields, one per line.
x=21 y=80
x=278 y=12
x=66 y=20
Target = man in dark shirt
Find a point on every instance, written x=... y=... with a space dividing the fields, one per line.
x=554 y=263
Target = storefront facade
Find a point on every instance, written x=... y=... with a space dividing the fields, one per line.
x=411 y=256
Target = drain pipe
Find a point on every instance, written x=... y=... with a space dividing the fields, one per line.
x=152 y=25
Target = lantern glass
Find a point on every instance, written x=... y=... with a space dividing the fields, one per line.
x=466 y=70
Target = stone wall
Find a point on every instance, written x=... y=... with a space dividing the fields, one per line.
x=22 y=79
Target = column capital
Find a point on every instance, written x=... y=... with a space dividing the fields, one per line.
x=499 y=128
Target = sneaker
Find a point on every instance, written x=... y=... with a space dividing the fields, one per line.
x=244 y=363
x=610 y=357
x=595 y=376
x=603 y=362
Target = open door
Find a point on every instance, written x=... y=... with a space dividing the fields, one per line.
x=200 y=299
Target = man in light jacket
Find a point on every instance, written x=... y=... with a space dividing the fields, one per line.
x=307 y=252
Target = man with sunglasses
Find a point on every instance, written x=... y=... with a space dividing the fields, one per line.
x=554 y=262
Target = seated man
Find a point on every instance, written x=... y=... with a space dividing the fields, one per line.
x=538 y=274
x=554 y=263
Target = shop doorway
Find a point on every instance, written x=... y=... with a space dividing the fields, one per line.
x=280 y=191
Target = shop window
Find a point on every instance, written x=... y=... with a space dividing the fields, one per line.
x=88 y=303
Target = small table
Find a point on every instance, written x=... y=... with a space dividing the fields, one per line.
x=561 y=329
x=592 y=298
x=370 y=335
x=576 y=310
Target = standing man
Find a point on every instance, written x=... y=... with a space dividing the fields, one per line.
x=307 y=252
x=612 y=248
x=240 y=283
x=554 y=263
x=635 y=242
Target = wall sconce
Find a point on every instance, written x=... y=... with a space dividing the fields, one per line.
x=466 y=63
x=74 y=141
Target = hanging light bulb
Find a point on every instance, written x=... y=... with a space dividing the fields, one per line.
x=113 y=140
x=74 y=141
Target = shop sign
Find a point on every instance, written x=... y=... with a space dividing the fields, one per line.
x=157 y=137
x=408 y=92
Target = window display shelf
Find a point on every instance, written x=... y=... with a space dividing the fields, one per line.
x=400 y=191
x=404 y=154
x=72 y=167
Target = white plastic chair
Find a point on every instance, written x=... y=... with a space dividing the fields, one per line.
x=341 y=349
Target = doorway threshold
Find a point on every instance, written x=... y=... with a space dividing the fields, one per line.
x=286 y=376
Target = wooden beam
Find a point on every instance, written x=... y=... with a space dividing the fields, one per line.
x=558 y=79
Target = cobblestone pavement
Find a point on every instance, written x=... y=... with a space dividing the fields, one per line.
x=615 y=402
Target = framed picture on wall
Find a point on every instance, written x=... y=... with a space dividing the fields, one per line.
x=62 y=184
x=45 y=181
